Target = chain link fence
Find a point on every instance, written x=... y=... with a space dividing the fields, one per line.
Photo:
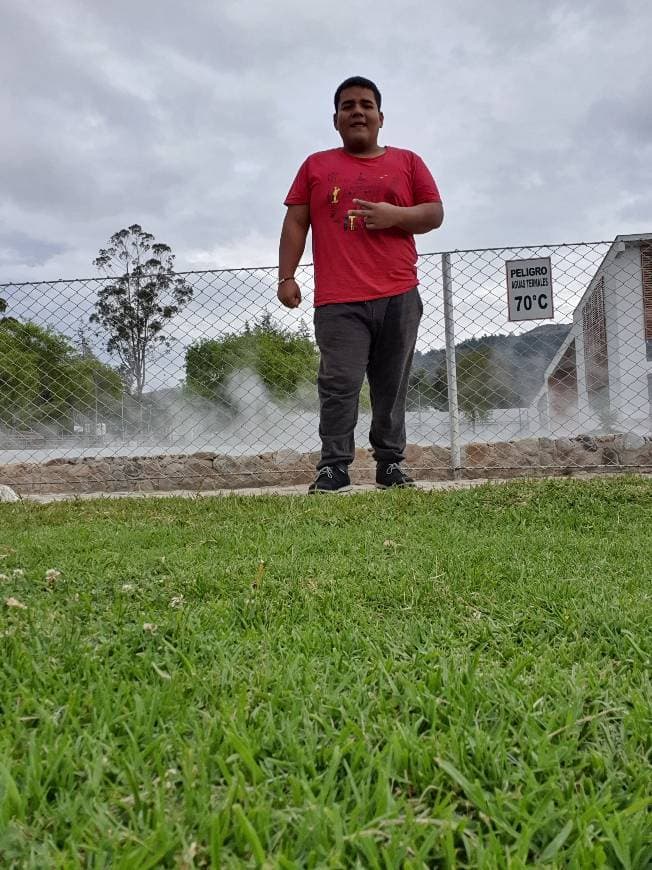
x=560 y=379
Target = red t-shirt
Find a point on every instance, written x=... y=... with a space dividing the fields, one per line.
x=353 y=264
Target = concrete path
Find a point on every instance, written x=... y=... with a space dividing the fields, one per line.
x=427 y=485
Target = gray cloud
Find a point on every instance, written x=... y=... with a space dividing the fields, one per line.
x=18 y=247
x=192 y=120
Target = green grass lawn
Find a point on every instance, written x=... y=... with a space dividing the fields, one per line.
x=397 y=679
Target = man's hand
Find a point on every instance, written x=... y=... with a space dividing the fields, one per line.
x=376 y=215
x=411 y=219
x=288 y=293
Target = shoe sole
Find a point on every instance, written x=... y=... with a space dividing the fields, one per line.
x=396 y=486
x=330 y=491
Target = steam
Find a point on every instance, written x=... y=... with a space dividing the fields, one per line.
x=250 y=420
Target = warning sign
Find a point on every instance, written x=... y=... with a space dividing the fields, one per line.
x=529 y=289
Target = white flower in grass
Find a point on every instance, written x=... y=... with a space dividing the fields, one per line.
x=3 y=577
x=171 y=778
x=52 y=575
x=189 y=855
x=177 y=601
x=151 y=627
x=14 y=602
x=18 y=572
x=128 y=587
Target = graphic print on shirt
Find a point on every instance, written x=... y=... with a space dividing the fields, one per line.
x=341 y=198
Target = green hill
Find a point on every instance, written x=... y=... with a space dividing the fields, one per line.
x=507 y=370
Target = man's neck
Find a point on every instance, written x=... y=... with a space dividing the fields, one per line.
x=374 y=151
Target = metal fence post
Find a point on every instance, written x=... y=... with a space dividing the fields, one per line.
x=451 y=367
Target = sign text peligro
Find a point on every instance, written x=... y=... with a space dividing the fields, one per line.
x=529 y=289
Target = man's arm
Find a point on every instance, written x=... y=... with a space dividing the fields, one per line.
x=411 y=219
x=291 y=247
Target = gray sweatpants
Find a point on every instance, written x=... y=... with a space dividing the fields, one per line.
x=378 y=338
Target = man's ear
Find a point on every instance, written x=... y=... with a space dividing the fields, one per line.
x=382 y=118
x=335 y=120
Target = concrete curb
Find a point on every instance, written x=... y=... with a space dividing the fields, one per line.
x=423 y=486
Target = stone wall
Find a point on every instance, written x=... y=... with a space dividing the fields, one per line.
x=208 y=471
x=558 y=456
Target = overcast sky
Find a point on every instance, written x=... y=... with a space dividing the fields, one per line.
x=192 y=119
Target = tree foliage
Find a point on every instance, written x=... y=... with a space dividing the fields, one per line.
x=43 y=379
x=486 y=380
x=139 y=301
x=282 y=359
x=426 y=390
x=482 y=386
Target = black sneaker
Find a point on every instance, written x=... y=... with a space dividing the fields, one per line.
x=331 y=478
x=390 y=474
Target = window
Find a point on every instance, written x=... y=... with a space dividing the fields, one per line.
x=596 y=358
x=646 y=272
x=562 y=384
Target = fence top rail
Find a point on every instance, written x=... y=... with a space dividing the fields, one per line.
x=497 y=250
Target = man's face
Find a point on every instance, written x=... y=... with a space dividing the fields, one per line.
x=357 y=119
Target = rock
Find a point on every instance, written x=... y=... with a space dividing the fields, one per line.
x=639 y=457
x=529 y=446
x=546 y=452
x=572 y=453
x=631 y=441
x=562 y=446
x=429 y=463
x=587 y=441
x=7 y=494
x=610 y=456
x=285 y=458
x=510 y=455
x=478 y=455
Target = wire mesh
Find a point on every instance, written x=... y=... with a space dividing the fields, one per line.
x=583 y=373
x=235 y=376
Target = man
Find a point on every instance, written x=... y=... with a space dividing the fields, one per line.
x=364 y=202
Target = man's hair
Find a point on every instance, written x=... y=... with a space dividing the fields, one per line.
x=357 y=82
